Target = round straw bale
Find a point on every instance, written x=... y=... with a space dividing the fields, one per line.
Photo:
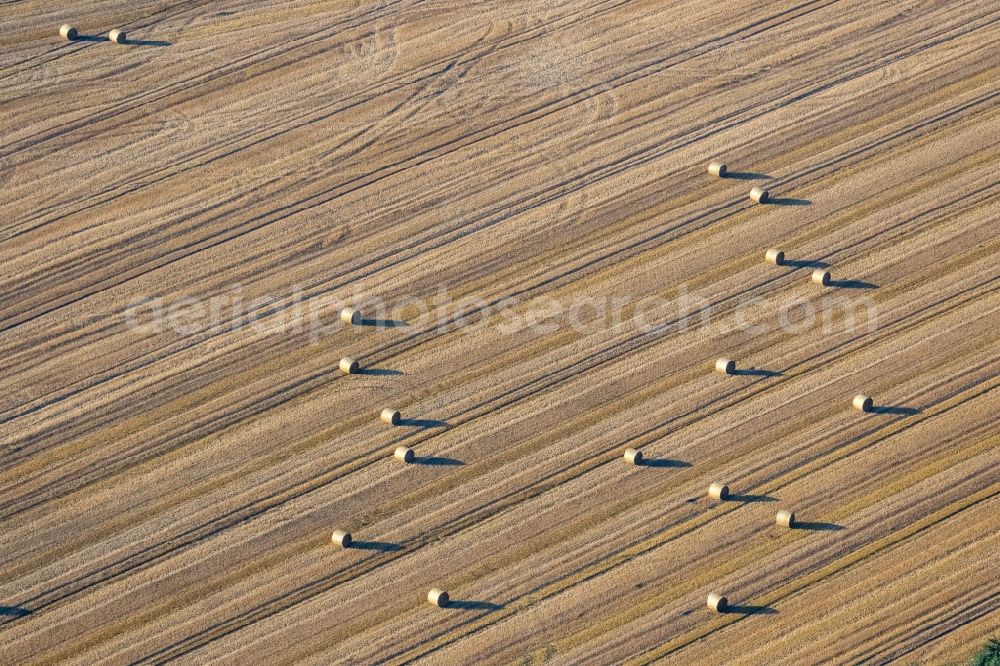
x=719 y=491
x=717 y=169
x=776 y=257
x=403 y=453
x=633 y=456
x=726 y=366
x=758 y=195
x=348 y=365
x=785 y=519
x=863 y=403
x=390 y=416
x=341 y=538
x=437 y=598
x=822 y=277
x=350 y=316
x=718 y=603
x=117 y=36
x=68 y=32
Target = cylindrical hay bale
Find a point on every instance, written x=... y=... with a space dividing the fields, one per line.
x=776 y=257
x=633 y=456
x=785 y=519
x=390 y=416
x=348 y=365
x=863 y=403
x=438 y=598
x=758 y=195
x=717 y=169
x=341 y=538
x=719 y=491
x=821 y=277
x=68 y=32
x=117 y=36
x=350 y=316
x=726 y=366
x=718 y=603
x=404 y=453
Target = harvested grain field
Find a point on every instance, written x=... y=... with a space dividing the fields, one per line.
x=515 y=196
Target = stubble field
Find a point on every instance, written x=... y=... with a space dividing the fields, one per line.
x=497 y=173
